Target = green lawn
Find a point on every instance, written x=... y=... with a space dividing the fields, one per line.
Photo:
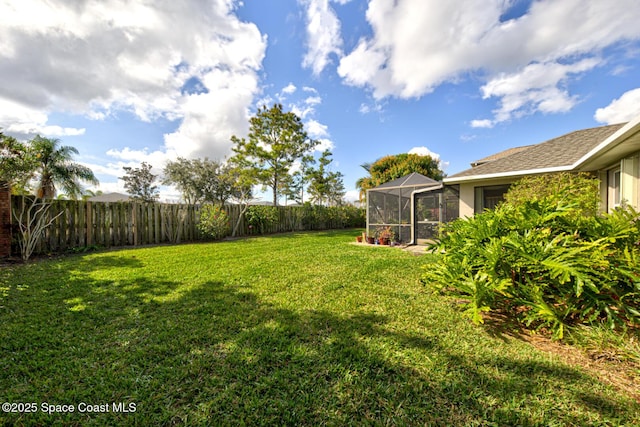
x=297 y=329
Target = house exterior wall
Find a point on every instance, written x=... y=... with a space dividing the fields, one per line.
x=604 y=190
x=467 y=194
x=629 y=176
x=629 y=183
x=468 y=190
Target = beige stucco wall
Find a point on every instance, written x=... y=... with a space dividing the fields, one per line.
x=466 y=200
x=629 y=182
x=629 y=186
x=602 y=176
x=629 y=176
x=467 y=193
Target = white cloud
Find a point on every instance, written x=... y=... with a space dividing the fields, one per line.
x=537 y=87
x=97 y=58
x=25 y=122
x=320 y=132
x=323 y=35
x=325 y=144
x=620 y=110
x=289 y=89
x=484 y=123
x=52 y=131
x=313 y=100
x=155 y=158
x=110 y=170
x=417 y=45
x=316 y=129
x=373 y=108
x=352 y=196
x=266 y=101
x=306 y=107
x=424 y=151
x=111 y=187
x=305 y=110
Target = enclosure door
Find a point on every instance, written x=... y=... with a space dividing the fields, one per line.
x=427 y=217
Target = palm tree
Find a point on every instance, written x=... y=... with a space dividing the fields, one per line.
x=56 y=167
x=364 y=183
x=87 y=194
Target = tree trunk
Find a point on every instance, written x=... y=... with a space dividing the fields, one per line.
x=275 y=194
x=242 y=211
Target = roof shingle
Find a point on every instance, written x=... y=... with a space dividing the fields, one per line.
x=562 y=151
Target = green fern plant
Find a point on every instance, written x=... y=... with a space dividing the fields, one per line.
x=544 y=255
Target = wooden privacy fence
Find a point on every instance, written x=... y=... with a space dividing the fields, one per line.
x=80 y=224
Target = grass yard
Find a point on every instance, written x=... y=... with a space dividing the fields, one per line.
x=296 y=329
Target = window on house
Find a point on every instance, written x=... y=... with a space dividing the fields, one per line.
x=613 y=188
x=488 y=197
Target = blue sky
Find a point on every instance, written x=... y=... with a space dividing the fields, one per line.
x=132 y=81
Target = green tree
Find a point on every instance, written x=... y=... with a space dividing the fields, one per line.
x=16 y=162
x=139 y=182
x=293 y=185
x=325 y=186
x=276 y=140
x=201 y=180
x=216 y=181
x=55 y=166
x=396 y=166
x=364 y=183
x=181 y=174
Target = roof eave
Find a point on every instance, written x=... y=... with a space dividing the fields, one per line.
x=624 y=133
x=615 y=139
x=510 y=174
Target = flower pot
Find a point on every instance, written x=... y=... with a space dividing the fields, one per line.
x=384 y=241
x=359 y=239
x=371 y=240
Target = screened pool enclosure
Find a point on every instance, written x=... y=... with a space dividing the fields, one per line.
x=412 y=206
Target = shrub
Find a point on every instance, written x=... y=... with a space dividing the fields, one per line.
x=261 y=217
x=316 y=217
x=214 y=221
x=578 y=189
x=545 y=260
x=352 y=216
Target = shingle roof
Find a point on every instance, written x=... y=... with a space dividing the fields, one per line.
x=558 y=152
x=412 y=180
x=505 y=153
x=111 y=197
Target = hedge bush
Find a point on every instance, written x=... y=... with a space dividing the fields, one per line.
x=544 y=261
x=214 y=221
x=317 y=217
x=260 y=218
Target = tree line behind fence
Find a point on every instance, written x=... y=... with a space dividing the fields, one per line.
x=76 y=225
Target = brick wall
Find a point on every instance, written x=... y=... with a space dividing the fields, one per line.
x=5 y=221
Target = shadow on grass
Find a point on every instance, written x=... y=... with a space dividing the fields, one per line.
x=331 y=233
x=215 y=354
x=118 y=260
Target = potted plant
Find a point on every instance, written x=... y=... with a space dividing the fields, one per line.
x=359 y=239
x=371 y=240
x=385 y=235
